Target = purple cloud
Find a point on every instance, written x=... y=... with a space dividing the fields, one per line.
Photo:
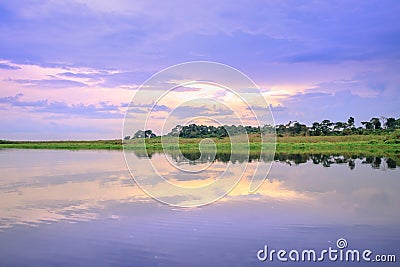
x=186 y=89
x=8 y=67
x=102 y=110
x=51 y=83
x=10 y=99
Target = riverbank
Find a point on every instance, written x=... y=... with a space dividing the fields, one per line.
x=370 y=144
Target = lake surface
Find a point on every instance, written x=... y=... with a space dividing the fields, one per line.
x=82 y=208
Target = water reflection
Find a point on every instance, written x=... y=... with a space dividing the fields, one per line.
x=376 y=162
x=326 y=160
x=86 y=203
x=41 y=186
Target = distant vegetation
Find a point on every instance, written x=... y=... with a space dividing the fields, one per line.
x=328 y=128
x=385 y=144
x=375 y=126
x=377 y=137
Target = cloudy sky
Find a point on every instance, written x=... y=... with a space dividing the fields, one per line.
x=68 y=69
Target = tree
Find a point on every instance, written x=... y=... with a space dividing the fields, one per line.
x=267 y=129
x=175 y=131
x=144 y=134
x=390 y=123
x=368 y=125
x=339 y=126
x=350 y=122
x=376 y=123
x=149 y=134
x=316 y=128
x=298 y=128
x=326 y=126
x=280 y=129
x=221 y=132
x=139 y=134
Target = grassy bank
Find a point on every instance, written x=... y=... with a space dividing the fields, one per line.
x=71 y=145
x=370 y=144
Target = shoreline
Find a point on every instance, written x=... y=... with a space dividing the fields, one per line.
x=290 y=144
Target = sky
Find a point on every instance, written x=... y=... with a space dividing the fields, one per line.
x=69 y=69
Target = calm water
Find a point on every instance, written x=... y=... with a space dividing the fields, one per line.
x=81 y=208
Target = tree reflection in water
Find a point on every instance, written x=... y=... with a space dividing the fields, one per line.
x=326 y=160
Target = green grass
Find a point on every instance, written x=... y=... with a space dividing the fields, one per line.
x=71 y=145
x=356 y=145
x=370 y=144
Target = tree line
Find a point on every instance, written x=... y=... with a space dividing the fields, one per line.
x=327 y=127
x=293 y=128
